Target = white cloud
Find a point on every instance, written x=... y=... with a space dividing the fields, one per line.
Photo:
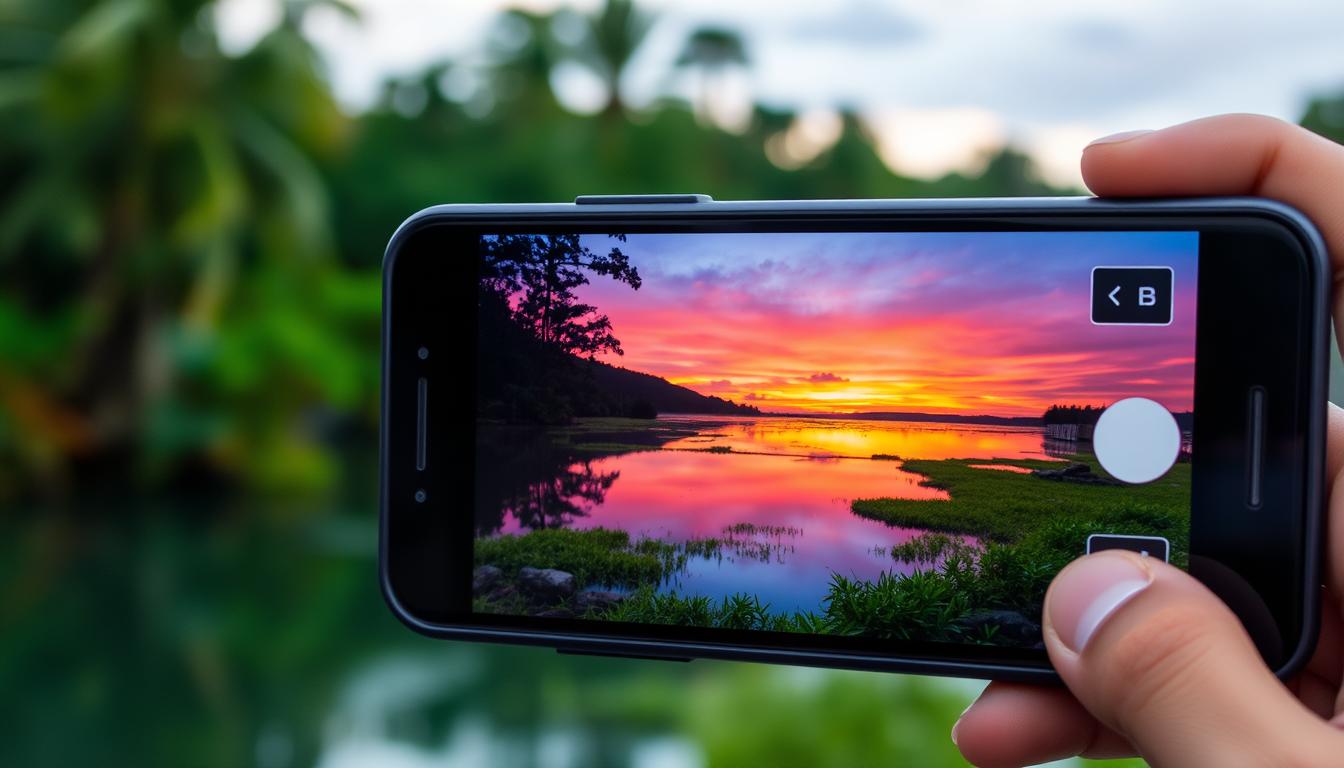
x=928 y=143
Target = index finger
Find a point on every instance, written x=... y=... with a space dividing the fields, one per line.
x=1228 y=155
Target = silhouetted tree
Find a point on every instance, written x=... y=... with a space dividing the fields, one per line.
x=556 y=501
x=537 y=275
x=1072 y=414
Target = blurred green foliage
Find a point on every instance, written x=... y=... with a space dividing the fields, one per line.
x=189 y=305
x=190 y=241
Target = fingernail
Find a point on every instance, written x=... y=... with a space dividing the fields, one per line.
x=957 y=724
x=1116 y=138
x=1089 y=591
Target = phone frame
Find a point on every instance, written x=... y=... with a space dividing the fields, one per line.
x=1296 y=454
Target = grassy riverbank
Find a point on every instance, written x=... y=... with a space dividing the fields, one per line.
x=1029 y=528
x=1005 y=506
x=982 y=565
x=1045 y=520
x=598 y=555
x=918 y=606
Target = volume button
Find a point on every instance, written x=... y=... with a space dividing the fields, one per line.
x=1255 y=448
x=421 y=395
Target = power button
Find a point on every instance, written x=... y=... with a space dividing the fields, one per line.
x=641 y=199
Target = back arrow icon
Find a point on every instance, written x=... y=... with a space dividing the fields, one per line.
x=1111 y=295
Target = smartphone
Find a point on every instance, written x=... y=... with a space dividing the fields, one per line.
x=859 y=434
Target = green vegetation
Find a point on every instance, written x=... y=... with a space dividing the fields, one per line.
x=596 y=556
x=762 y=529
x=189 y=303
x=738 y=611
x=1031 y=528
x=928 y=547
x=608 y=449
x=607 y=435
x=1003 y=505
x=609 y=557
x=211 y=212
x=921 y=606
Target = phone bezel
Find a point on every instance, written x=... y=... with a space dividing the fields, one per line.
x=421 y=310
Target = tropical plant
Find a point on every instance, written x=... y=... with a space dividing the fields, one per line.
x=713 y=51
x=610 y=38
x=164 y=245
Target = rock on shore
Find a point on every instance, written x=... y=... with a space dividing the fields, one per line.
x=485 y=578
x=547 y=592
x=546 y=584
x=1075 y=473
x=1013 y=626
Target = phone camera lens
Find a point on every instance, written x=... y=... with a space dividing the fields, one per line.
x=420 y=497
x=422 y=353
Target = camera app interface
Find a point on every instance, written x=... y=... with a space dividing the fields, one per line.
x=885 y=435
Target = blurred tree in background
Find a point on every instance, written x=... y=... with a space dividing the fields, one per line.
x=179 y=303
x=169 y=298
x=1325 y=115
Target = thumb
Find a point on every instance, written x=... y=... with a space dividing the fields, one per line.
x=1154 y=655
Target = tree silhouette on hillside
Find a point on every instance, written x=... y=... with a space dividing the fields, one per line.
x=533 y=277
x=1072 y=414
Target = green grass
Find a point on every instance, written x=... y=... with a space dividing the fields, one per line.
x=595 y=556
x=605 y=424
x=612 y=448
x=738 y=611
x=926 y=604
x=1003 y=506
x=928 y=547
x=921 y=606
x=1030 y=528
x=753 y=529
x=612 y=558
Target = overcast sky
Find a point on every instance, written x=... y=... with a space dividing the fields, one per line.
x=939 y=81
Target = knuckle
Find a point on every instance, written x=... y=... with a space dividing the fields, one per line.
x=1264 y=123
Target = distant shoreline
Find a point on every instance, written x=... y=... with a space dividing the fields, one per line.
x=983 y=419
x=944 y=418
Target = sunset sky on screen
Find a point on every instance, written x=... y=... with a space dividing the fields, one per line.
x=969 y=323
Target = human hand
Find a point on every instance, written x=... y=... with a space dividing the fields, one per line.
x=1155 y=664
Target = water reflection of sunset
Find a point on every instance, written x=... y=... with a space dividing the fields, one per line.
x=683 y=495
x=862 y=438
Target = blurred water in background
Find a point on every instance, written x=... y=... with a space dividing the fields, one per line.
x=189 y=301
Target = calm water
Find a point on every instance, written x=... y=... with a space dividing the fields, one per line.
x=797 y=476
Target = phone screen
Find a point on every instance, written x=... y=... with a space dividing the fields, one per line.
x=898 y=435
